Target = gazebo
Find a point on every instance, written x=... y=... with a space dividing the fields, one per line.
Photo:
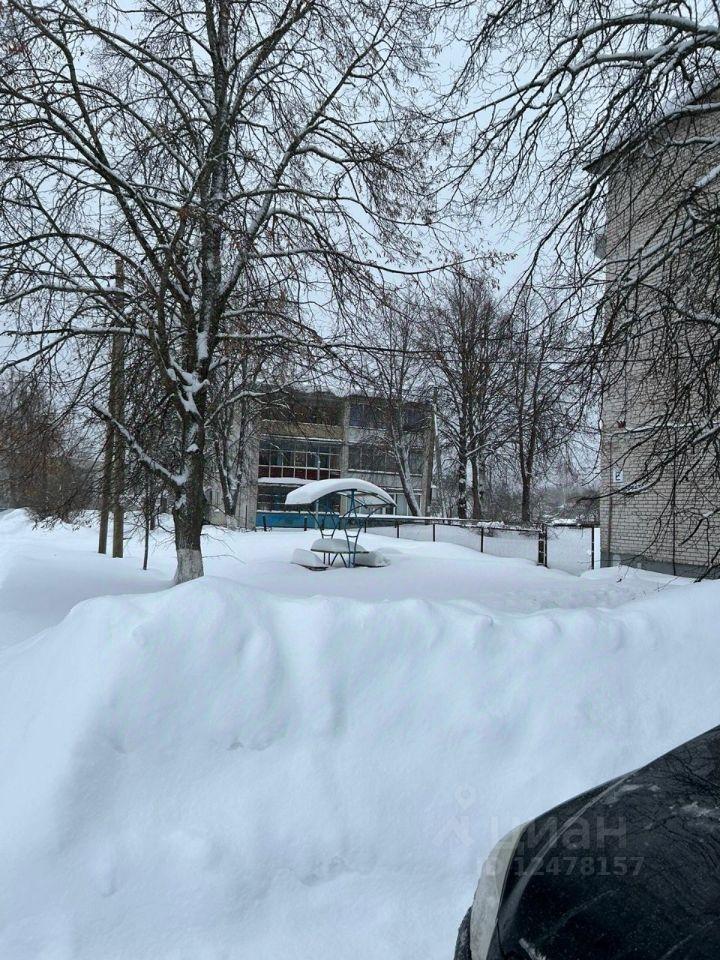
x=339 y=529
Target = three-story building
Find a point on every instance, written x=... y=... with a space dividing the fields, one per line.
x=304 y=436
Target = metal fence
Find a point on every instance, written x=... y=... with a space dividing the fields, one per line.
x=572 y=548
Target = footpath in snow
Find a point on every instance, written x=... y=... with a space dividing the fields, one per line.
x=277 y=763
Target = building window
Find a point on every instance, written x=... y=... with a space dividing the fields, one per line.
x=415 y=419
x=296 y=458
x=272 y=498
x=416 y=461
x=365 y=456
x=305 y=408
x=362 y=414
x=373 y=459
x=370 y=415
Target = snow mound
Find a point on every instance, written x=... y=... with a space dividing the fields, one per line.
x=214 y=773
x=15 y=520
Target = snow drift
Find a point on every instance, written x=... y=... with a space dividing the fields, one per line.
x=213 y=773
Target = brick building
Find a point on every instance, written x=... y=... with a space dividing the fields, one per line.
x=662 y=522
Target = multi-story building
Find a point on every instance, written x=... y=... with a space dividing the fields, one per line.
x=315 y=436
x=657 y=510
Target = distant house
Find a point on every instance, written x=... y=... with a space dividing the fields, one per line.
x=306 y=436
x=664 y=524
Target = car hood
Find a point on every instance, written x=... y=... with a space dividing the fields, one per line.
x=630 y=869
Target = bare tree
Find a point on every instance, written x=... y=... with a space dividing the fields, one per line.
x=547 y=408
x=391 y=370
x=198 y=146
x=467 y=332
x=44 y=464
x=600 y=125
x=250 y=371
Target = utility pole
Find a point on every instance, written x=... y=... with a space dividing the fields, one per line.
x=117 y=410
x=113 y=479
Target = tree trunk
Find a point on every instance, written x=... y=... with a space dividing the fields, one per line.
x=527 y=467
x=476 y=490
x=117 y=409
x=146 y=547
x=188 y=514
x=525 y=502
x=147 y=511
x=462 y=491
x=187 y=546
x=438 y=473
x=462 y=472
x=106 y=491
x=118 y=449
x=407 y=487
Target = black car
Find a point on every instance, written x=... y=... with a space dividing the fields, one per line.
x=627 y=871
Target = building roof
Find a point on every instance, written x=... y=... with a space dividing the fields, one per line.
x=690 y=103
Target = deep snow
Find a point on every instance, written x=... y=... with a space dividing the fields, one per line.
x=277 y=763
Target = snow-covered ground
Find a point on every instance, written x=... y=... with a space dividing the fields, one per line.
x=273 y=762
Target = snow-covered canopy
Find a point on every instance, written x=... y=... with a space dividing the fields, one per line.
x=315 y=490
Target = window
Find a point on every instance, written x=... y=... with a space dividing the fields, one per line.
x=415 y=419
x=369 y=415
x=362 y=414
x=373 y=459
x=273 y=498
x=416 y=461
x=366 y=456
x=305 y=408
x=295 y=457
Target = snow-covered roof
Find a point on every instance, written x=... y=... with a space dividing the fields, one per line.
x=283 y=481
x=697 y=98
x=310 y=492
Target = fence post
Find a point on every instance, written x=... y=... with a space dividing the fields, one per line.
x=305 y=524
x=482 y=539
x=592 y=547
x=397 y=529
x=542 y=546
x=265 y=523
x=433 y=526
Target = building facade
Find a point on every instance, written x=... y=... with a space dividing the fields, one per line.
x=657 y=510
x=306 y=436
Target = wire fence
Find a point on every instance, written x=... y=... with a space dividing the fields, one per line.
x=573 y=548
